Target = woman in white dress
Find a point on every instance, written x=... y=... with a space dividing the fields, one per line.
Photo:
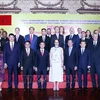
x=56 y=65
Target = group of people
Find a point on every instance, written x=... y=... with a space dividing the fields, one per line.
x=53 y=52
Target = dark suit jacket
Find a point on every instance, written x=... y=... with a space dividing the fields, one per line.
x=34 y=41
x=28 y=61
x=42 y=62
x=61 y=40
x=21 y=42
x=11 y=57
x=95 y=53
x=47 y=43
x=86 y=41
x=75 y=39
x=84 y=59
x=72 y=60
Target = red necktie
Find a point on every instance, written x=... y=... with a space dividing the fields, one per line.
x=42 y=52
x=31 y=38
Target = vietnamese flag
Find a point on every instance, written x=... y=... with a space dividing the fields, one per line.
x=5 y=20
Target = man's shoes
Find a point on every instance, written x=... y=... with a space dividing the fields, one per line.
x=25 y=89
x=66 y=89
x=9 y=89
x=80 y=89
x=85 y=89
x=39 y=90
x=94 y=88
x=73 y=89
x=31 y=89
x=16 y=89
x=44 y=89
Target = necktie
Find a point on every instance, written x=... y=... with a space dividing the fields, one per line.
x=31 y=38
x=12 y=46
x=17 y=37
x=82 y=51
x=42 y=52
x=70 y=37
x=27 y=52
x=43 y=38
x=70 y=51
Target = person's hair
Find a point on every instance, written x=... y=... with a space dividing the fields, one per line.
x=11 y=34
x=43 y=29
x=63 y=29
x=70 y=40
x=28 y=42
x=32 y=28
x=56 y=27
x=89 y=32
x=83 y=32
x=42 y=42
x=55 y=40
x=49 y=29
x=17 y=28
x=83 y=41
x=5 y=32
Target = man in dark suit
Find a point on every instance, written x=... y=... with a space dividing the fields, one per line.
x=20 y=40
x=12 y=61
x=27 y=64
x=42 y=63
x=73 y=37
x=70 y=62
x=83 y=38
x=83 y=64
x=58 y=36
x=94 y=47
x=32 y=38
x=44 y=38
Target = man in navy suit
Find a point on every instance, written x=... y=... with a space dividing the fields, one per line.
x=73 y=37
x=83 y=38
x=94 y=47
x=32 y=38
x=20 y=40
x=83 y=64
x=44 y=38
x=12 y=61
x=70 y=62
x=58 y=36
x=42 y=63
x=27 y=64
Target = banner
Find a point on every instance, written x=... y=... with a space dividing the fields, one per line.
x=39 y=21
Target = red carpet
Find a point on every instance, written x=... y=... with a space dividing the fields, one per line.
x=49 y=84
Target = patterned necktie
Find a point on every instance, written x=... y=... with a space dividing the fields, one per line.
x=82 y=51
x=12 y=46
x=70 y=51
x=42 y=52
x=31 y=38
x=27 y=51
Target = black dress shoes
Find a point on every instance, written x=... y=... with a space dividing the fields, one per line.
x=66 y=89
x=9 y=89
x=25 y=89
x=85 y=89
x=16 y=89
x=31 y=89
x=73 y=89
x=80 y=89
